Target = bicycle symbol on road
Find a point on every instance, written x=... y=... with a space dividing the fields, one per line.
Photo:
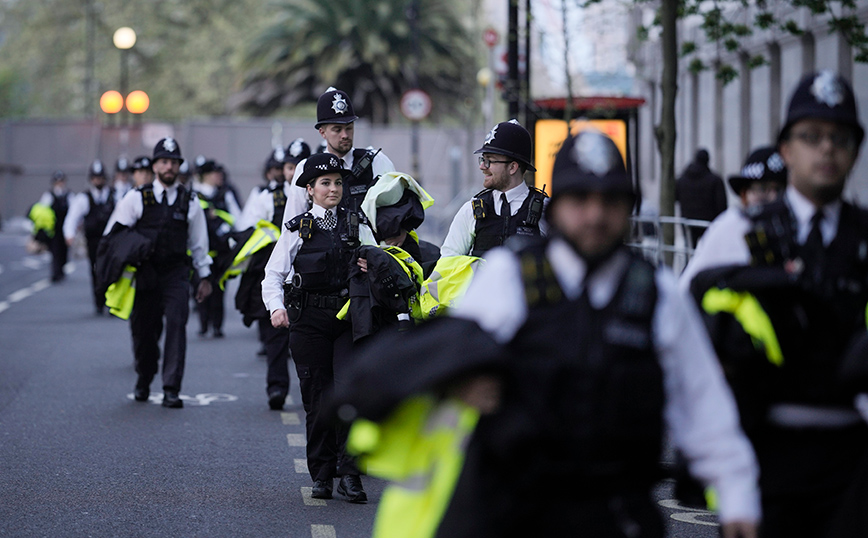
x=206 y=398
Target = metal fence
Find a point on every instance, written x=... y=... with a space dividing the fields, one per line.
x=647 y=237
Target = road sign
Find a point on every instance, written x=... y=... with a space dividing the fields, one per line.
x=490 y=36
x=415 y=105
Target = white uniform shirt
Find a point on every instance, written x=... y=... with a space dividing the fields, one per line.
x=260 y=206
x=297 y=201
x=462 y=232
x=80 y=207
x=129 y=211
x=279 y=270
x=723 y=243
x=700 y=411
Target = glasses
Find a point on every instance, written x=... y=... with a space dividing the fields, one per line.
x=486 y=162
x=839 y=139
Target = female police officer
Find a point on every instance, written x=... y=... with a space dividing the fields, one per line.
x=312 y=259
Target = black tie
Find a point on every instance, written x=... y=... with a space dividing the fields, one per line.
x=505 y=210
x=165 y=200
x=813 y=251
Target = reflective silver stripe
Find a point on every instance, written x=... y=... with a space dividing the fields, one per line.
x=416 y=483
x=445 y=416
x=811 y=416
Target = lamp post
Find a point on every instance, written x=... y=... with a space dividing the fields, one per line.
x=124 y=38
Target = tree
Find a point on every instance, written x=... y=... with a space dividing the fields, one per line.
x=364 y=47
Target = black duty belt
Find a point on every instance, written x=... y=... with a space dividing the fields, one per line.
x=333 y=302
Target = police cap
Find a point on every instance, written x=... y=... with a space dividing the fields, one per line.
x=590 y=162
x=57 y=176
x=184 y=169
x=208 y=166
x=123 y=165
x=334 y=106
x=509 y=138
x=763 y=164
x=276 y=158
x=297 y=151
x=96 y=169
x=318 y=165
x=167 y=148
x=824 y=96
x=142 y=163
x=322 y=147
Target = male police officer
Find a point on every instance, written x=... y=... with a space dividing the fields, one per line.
x=171 y=217
x=507 y=206
x=143 y=174
x=121 y=182
x=598 y=353
x=93 y=207
x=54 y=204
x=786 y=294
x=335 y=121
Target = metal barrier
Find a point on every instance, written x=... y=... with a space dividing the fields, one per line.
x=646 y=236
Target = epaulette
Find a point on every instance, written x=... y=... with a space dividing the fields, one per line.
x=540 y=284
x=480 y=193
x=303 y=224
x=478 y=205
x=148 y=197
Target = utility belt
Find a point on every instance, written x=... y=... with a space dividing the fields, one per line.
x=797 y=416
x=296 y=299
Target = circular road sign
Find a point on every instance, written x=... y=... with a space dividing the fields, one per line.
x=415 y=105
x=490 y=36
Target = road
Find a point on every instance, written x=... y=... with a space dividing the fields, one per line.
x=81 y=458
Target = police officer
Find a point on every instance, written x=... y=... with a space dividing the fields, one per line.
x=142 y=172
x=54 y=203
x=335 y=121
x=594 y=354
x=312 y=259
x=269 y=206
x=507 y=206
x=184 y=174
x=93 y=207
x=785 y=297
x=762 y=179
x=121 y=182
x=221 y=212
x=172 y=218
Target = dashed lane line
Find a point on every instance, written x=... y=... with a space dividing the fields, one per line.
x=296 y=439
x=290 y=419
x=300 y=465
x=306 y=493
x=322 y=531
x=24 y=293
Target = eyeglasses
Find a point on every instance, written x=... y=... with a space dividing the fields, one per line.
x=839 y=139
x=486 y=162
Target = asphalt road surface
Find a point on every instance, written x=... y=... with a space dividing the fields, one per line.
x=78 y=457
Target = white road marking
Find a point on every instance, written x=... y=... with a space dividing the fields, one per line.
x=310 y=501
x=296 y=439
x=290 y=419
x=300 y=465
x=322 y=531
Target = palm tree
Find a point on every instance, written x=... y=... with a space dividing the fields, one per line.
x=364 y=47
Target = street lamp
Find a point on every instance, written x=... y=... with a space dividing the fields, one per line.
x=124 y=38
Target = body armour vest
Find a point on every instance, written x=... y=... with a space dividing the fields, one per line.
x=322 y=262
x=493 y=230
x=60 y=205
x=355 y=188
x=815 y=319
x=96 y=219
x=166 y=226
x=586 y=390
x=279 y=199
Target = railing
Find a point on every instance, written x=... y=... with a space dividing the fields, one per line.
x=647 y=237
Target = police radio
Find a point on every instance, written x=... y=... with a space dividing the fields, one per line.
x=364 y=163
x=534 y=213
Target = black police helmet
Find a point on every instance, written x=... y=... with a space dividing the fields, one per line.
x=208 y=166
x=167 y=148
x=96 y=169
x=123 y=165
x=276 y=158
x=142 y=163
x=57 y=176
x=318 y=165
x=297 y=151
x=824 y=96
x=184 y=169
x=590 y=162
x=322 y=147
x=334 y=106
x=509 y=138
x=763 y=164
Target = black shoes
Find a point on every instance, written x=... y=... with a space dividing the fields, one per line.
x=350 y=486
x=218 y=333
x=276 y=399
x=322 y=489
x=262 y=351
x=172 y=400
x=141 y=394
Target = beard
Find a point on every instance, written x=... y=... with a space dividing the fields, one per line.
x=167 y=178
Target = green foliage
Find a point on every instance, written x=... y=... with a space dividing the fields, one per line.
x=687 y=48
x=726 y=73
x=696 y=66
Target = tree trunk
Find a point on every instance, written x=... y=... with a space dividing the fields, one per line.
x=665 y=130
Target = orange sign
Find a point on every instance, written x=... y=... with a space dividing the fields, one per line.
x=550 y=135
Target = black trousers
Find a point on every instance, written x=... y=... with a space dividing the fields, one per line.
x=806 y=476
x=277 y=348
x=212 y=310
x=319 y=344
x=98 y=298
x=59 y=256
x=168 y=299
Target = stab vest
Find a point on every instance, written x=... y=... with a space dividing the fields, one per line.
x=492 y=230
x=322 y=261
x=279 y=199
x=96 y=219
x=60 y=205
x=588 y=393
x=355 y=188
x=166 y=226
x=814 y=322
